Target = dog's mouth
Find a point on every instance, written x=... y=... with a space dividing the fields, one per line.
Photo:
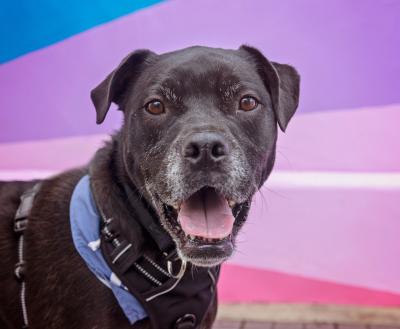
x=203 y=226
x=206 y=215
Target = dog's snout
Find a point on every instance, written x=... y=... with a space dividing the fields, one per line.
x=205 y=146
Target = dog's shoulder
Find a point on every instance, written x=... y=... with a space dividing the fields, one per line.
x=49 y=218
x=56 y=191
x=10 y=192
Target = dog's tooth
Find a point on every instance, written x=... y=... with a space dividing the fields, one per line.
x=231 y=203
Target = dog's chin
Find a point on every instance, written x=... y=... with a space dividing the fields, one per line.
x=203 y=226
x=206 y=254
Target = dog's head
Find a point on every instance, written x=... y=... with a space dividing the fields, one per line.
x=199 y=136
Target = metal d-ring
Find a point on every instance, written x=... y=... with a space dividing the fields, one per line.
x=178 y=278
x=181 y=270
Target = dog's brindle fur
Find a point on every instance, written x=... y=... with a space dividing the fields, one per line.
x=201 y=88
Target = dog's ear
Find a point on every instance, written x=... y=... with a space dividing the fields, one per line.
x=112 y=88
x=283 y=83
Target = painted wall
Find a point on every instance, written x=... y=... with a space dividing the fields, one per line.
x=325 y=227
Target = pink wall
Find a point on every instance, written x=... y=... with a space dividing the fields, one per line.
x=325 y=226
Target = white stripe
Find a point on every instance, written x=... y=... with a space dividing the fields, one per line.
x=279 y=179
x=121 y=253
x=6 y=175
x=330 y=179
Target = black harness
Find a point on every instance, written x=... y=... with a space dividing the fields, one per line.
x=20 y=224
x=174 y=294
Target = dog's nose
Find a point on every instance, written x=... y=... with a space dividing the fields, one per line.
x=205 y=146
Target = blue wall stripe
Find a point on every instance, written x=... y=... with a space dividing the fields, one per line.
x=28 y=25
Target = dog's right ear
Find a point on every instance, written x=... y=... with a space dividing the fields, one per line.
x=113 y=87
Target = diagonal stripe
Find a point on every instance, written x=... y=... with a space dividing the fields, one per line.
x=246 y=284
x=43 y=94
x=12 y=175
x=342 y=180
x=29 y=25
x=278 y=179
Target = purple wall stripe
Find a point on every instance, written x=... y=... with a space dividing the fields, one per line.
x=360 y=140
x=346 y=51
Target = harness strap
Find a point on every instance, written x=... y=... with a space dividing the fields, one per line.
x=20 y=224
x=149 y=221
x=173 y=293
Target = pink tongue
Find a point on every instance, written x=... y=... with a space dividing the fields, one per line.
x=206 y=214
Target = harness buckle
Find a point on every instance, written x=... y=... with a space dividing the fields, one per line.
x=19 y=271
x=20 y=225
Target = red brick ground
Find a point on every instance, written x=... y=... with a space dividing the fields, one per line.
x=268 y=325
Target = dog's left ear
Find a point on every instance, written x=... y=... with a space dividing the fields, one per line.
x=113 y=87
x=283 y=83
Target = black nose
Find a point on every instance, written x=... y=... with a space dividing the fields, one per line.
x=205 y=146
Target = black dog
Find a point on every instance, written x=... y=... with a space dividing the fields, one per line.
x=198 y=140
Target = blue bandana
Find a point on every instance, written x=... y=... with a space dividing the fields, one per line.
x=85 y=227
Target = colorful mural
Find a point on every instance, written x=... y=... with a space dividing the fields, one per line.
x=325 y=227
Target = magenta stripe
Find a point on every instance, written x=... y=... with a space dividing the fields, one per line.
x=239 y=284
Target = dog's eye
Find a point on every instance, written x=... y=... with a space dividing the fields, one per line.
x=248 y=103
x=155 y=107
